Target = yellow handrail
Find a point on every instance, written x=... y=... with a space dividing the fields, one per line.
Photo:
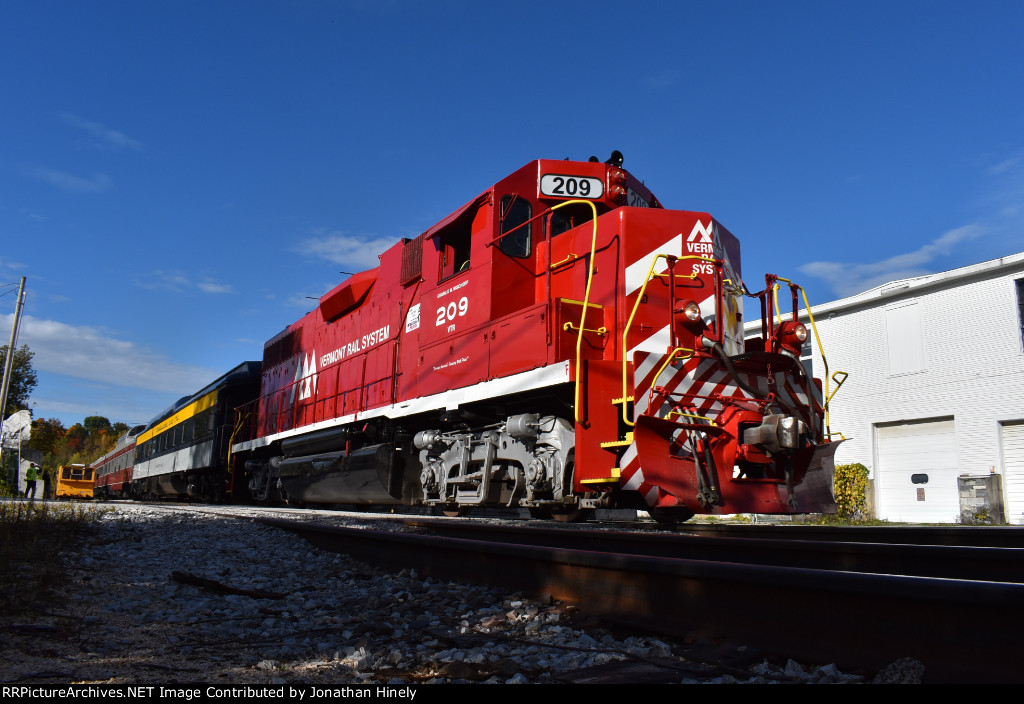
x=586 y=300
x=712 y=423
x=241 y=418
x=636 y=306
x=569 y=327
x=669 y=359
x=571 y=258
x=827 y=397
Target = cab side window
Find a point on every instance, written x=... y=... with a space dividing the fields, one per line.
x=453 y=242
x=570 y=216
x=454 y=247
x=515 y=211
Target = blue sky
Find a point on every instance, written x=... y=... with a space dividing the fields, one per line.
x=176 y=178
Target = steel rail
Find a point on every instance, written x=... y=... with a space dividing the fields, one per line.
x=962 y=630
x=952 y=562
x=979 y=536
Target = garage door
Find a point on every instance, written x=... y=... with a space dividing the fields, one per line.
x=1013 y=471
x=916 y=472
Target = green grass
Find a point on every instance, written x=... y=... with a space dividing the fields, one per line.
x=834 y=519
x=32 y=536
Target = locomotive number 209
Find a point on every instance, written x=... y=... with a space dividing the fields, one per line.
x=451 y=311
x=571 y=186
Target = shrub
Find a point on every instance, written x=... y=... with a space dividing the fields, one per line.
x=850 y=489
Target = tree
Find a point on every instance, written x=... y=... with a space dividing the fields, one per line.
x=95 y=424
x=23 y=378
x=45 y=434
x=76 y=435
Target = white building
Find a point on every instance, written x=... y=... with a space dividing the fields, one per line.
x=935 y=388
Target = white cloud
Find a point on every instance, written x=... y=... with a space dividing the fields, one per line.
x=97 y=183
x=211 y=287
x=355 y=253
x=84 y=352
x=1005 y=196
x=160 y=280
x=1003 y=166
x=847 y=278
x=178 y=282
x=76 y=404
x=105 y=138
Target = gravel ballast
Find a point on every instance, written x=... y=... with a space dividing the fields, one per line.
x=156 y=595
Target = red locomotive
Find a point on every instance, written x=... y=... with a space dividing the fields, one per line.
x=561 y=343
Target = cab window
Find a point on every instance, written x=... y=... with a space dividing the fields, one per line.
x=570 y=216
x=454 y=247
x=515 y=211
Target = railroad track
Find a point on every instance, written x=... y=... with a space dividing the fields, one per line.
x=976 y=536
x=857 y=604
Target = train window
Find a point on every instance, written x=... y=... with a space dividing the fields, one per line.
x=66 y=474
x=203 y=424
x=88 y=474
x=514 y=212
x=569 y=217
x=454 y=247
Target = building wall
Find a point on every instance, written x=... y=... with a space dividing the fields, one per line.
x=935 y=347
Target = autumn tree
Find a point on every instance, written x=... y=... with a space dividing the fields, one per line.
x=23 y=378
x=45 y=434
x=82 y=443
x=95 y=424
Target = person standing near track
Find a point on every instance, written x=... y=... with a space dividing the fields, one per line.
x=30 y=481
x=48 y=483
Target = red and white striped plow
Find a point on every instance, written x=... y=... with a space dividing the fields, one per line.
x=690 y=415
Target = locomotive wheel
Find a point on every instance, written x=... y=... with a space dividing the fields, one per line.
x=576 y=515
x=273 y=496
x=455 y=512
x=670 y=517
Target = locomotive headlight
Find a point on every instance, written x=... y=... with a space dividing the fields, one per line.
x=691 y=311
x=792 y=335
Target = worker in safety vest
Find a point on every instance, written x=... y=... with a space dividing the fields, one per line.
x=30 y=481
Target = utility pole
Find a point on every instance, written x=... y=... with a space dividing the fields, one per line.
x=9 y=365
